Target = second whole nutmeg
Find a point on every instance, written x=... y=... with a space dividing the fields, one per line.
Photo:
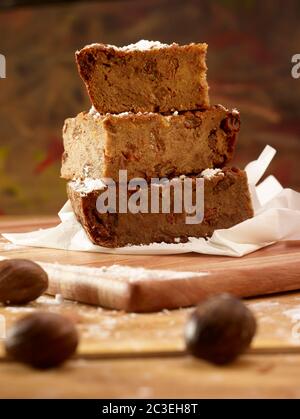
x=21 y=281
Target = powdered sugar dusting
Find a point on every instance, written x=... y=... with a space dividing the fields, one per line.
x=87 y=185
x=94 y=113
x=143 y=45
x=210 y=173
x=121 y=114
x=125 y=114
x=86 y=170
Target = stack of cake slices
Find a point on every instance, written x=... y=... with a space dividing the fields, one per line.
x=151 y=119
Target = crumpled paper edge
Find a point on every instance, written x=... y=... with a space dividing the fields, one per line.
x=277 y=217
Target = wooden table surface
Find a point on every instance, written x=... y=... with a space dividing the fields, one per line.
x=270 y=369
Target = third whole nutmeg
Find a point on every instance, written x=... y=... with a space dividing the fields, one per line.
x=220 y=329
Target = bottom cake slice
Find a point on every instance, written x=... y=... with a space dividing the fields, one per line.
x=226 y=202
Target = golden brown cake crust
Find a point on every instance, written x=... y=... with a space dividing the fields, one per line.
x=227 y=202
x=159 y=79
x=148 y=145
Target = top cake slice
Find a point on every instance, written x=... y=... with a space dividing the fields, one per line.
x=145 y=77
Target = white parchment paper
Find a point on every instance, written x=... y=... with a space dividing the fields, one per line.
x=277 y=217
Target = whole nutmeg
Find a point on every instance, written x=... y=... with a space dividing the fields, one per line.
x=220 y=329
x=21 y=281
x=42 y=340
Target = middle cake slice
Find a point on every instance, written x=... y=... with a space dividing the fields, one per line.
x=148 y=145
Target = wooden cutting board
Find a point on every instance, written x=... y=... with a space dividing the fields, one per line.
x=270 y=270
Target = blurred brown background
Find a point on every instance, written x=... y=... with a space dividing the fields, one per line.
x=250 y=48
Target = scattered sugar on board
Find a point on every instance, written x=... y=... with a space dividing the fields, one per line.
x=59 y=299
x=19 y=309
x=95 y=330
x=283 y=334
x=120 y=273
x=109 y=322
x=108 y=326
x=48 y=300
x=268 y=319
x=293 y=314
x=261 y=305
